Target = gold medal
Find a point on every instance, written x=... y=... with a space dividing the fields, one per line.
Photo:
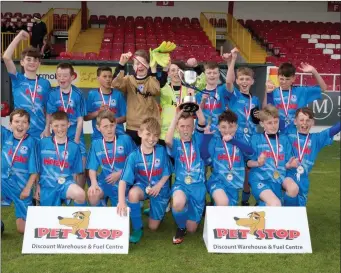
x=148 y=188
x=188 y=179
x=276 y=174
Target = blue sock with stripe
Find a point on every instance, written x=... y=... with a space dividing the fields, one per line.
x=246 y=196
x=180 y=217
x=135 y=215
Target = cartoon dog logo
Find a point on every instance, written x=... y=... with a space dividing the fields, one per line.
x=79 y=221
x=256 y=221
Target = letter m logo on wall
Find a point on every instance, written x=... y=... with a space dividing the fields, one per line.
x=165 y=3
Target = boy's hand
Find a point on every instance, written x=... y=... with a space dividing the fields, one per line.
x=23 y=35
x=113 y=177
x=122 y=208
x=125 y=58
x=227 y=138
x=192 y=62
x=207 y=130
x=234 y=53
x=25 y=193
x=227 y=57
x=45 y=133
x=292 y=163
x=155 y=190
x=77 y=140
x=256 y=114
x=178 y=112
x=261 y=160
x=269 y=86
x=307 y=68
x=37 y=193
x=204 y=98
x=93 y=190
x=190 y=92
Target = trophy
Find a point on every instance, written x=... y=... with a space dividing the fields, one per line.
x=188 y=79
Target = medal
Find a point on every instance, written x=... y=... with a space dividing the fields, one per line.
x=189 y=161
x=65 y=109
x=149 y=175
x=103 y=100
x=10 y=171
x=247 y=114
x=107 y=154
x=148 y=188
x=246 y=130
x=188 y=179
x=286 y=106
x=230 y=160
x=276 y=174
x=33 y=95
x=300 y=169
x=61 y=180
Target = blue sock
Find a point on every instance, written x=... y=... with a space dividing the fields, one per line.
x=80 y=204
x=180 y=217
x=246 y=196
x=135 y=215
x=290 y=201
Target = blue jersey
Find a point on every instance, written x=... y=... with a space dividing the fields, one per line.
x=25 y=161
x=116 y=102
x=315 y=143
x=301 y=96
x=97 y=155
x=75 y=110
x=216 y=104
x=266 y=172
x=240 y=105
x=134 y=169
x=22 y=89
x=197 y=169
x=220 y=162
x=51 y=164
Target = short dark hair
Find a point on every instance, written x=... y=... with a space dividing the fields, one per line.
x=66 y=66
x=306 y=111
x=30 y=52
x=286 y=70
x=59 y=115
x=143 y=54
x=21 y=113
x=103 y=68
x=228 y=116
x=211 y=65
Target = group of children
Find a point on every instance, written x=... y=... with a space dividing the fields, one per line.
x=127 y=166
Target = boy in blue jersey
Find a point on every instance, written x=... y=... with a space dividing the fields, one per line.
x=69 y=99
x=246 y=106
x=269 y=163
x=105 y=98
x=306 y=147
x=226 y=156
x=29 y=91
x=19 y=165
x=146 y=172
x=61 y=162
x=188 y=191
x=108 y=152
x=288 y=98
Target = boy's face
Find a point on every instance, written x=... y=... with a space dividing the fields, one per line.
x=30 y=64
x=212 y=76
x=59 y=127
x=140 y=66
x=303 y=123
x=173 y=73
x=64 y=77
x=286 y=82
x=244 y=83
x=105 y=79
x=227 y=128
x=185 y=128
x=270 y=125
x=107 y=128
x=19 y=125
x=148 y=139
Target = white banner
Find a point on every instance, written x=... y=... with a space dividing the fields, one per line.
x=75 y=230
x=257 y=230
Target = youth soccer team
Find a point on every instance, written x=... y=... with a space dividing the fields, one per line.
x=44 y=155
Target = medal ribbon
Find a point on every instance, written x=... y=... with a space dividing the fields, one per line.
x=149 y=175
x=301 y=152
x=107 y=154
x=68 y=101
x=285 y=106
x=230 y=161
x=103 y=100
x=61 y=165
x=33 y=95
x=214 y=103
x=248 y=112
x=17 y=148
x=189 y=161
x=276 y=156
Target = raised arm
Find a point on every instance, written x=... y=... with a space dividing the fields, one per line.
x=307 y=68
x=230 y=59
x=171 y=129
x=119 y=80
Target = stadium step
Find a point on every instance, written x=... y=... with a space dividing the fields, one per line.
x=89 y=41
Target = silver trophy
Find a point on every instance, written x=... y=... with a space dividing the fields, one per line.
x=188 y=79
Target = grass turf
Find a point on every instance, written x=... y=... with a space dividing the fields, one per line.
x=155 y=252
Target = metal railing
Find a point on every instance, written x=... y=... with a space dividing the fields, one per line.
x=74 y=30
x=48 y=20
x=208 y=28
x=7 y=38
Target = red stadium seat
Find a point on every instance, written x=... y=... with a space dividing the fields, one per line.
x=102 y=19
x=93 y=19
x=91 y=56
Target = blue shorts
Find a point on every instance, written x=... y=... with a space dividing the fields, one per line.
x=11 y=193
x=110 y=191
x=82 y=146
x=195 y=197
x=54 y=196
x=258 y=186
x=231 y=192
x=158 y=204
x=303 y=186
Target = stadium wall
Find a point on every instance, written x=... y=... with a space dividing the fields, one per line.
x=299 y=11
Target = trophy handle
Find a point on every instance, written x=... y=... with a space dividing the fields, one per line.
x=181 y=76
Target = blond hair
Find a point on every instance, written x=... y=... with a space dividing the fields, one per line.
x=152 y=125
x=105 y=114
x=245 y=71
x=269 y=111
